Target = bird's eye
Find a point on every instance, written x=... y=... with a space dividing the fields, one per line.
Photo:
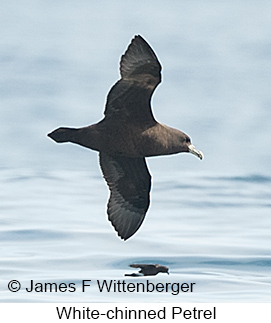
x=187 y=139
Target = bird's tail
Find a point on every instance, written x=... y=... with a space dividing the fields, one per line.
x=133 y=275
x=62 y=134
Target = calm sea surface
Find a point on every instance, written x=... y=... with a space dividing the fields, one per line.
x=209 y=221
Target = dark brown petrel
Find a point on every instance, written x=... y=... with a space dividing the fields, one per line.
x=148 y=270
x=126 y=135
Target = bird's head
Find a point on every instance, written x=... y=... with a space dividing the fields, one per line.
x=190 y=148
x=162 y=269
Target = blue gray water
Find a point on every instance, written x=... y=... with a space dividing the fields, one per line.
x=209 y=221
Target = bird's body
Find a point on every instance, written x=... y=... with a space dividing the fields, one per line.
x=126 y=139
x=126 y=135
x=148 y=270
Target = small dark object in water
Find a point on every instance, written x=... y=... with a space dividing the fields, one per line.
x=127 y=134
x=148 y=270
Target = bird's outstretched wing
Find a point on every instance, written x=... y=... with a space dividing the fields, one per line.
x=139 y=59
x=129 y=99
x=129 y=182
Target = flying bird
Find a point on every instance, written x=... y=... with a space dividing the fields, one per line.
x=128 y=134
x=148 y=270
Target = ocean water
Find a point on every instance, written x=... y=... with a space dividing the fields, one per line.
x=209 y=221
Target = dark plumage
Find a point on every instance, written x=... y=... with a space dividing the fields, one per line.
x=126 y=135
x=148 y=270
